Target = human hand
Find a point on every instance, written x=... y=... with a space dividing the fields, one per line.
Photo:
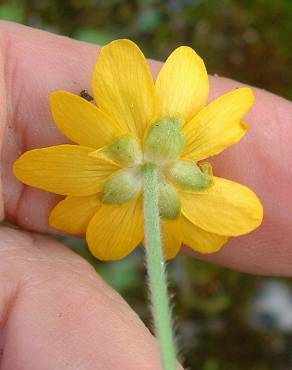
x=57 y=312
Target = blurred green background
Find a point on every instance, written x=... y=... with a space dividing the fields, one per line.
x=225 y=320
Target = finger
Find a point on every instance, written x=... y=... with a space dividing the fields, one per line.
x=259 y=160
x=58 y=314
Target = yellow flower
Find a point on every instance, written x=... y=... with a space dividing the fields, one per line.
x=134 y=123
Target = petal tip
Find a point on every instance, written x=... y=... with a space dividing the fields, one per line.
x=19 y=166
x=120 y=43
x=171 y=255
x=15 y=168
x=248 y=94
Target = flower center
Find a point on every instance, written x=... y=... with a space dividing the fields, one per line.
x=162 y=147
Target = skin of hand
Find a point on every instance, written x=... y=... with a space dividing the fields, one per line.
x=55 y=312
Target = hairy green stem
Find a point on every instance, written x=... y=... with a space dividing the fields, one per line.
x=156 y=270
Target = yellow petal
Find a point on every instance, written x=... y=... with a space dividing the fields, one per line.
x=81 y=121
x=74 y=213
x=226 y=208
x=171 y=237
x=123 y=86
x=64 y=169
x=200 y=240
x=115 y=230
x=182 y=84
x=218 y=125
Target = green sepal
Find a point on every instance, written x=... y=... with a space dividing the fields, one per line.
x=164 y=141
x=122 y=186
x=188 y=176
x=169 y=202
x=125 y=151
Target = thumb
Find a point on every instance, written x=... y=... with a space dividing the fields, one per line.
x=58 y=314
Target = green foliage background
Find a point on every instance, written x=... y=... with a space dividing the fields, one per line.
x=248 y=40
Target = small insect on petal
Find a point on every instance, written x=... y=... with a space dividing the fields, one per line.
x=84 y=94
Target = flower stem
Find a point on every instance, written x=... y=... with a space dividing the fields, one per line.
x=156 y=270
